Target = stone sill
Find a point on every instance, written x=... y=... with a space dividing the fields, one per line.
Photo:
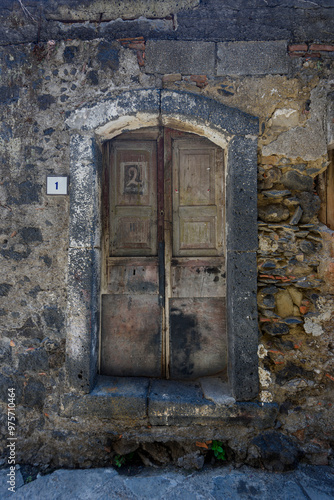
x=156 y=402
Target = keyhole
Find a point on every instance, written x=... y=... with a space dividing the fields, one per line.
x=134 y=272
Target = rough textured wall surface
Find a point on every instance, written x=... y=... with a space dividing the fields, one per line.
x=210 y=20
x=57 y=57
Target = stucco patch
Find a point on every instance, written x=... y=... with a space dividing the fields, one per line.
x=312 y=327
x=284 y=118
x=264 y=377
x=127 y=103
x=266 y=397
x=308 y=142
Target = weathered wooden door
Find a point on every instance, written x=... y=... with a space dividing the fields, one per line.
x=163 y=310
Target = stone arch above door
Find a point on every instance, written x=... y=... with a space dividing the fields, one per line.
x=236 y=132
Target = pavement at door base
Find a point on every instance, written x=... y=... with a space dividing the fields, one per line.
x=305 y=483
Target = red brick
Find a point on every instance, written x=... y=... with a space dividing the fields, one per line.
x=126 y=42
x=297 y=54
x=137 y=45
x=201 y=80
x=141 y=57
x=322 y=47
x=298 y=47
x=130 y=39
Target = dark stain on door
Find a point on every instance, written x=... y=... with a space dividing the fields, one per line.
x=186 y=341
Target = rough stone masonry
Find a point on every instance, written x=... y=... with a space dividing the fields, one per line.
x=269 y=60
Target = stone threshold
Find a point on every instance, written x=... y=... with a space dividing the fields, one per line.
x=157 y=402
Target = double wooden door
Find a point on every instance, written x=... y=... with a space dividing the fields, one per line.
x=163 y=306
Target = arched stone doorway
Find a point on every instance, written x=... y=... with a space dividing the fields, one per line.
x=236 y=133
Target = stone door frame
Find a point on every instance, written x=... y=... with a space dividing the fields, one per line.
x=236 y=132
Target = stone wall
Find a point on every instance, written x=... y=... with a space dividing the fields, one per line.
x=283 y=76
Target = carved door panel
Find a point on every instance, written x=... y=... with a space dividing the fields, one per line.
x=163 y=313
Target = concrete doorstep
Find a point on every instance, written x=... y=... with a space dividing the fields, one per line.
x=226 y=482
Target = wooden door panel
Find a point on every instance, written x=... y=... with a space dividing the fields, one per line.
x=197 y=233
x=197 y=198
x=198 y=277
x=198 y=343
x=133 y=233
x=196 y=177
x=133 y=275
x=131 y=335
x=133 y=193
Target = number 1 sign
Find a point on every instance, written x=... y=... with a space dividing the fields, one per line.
x=57 y=184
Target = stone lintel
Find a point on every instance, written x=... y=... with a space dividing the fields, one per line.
x=130 y=110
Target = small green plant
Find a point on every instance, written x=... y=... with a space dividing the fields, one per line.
x=218 y=450
x=119 y=460
x=28 y=479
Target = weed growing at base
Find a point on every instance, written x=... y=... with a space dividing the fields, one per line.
x=218 y=450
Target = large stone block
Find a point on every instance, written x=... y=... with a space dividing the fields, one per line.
x=252 y=58
x=205 y=110
x=177 y=403
x=123 y=105
x=241 y=273
x=183 y=403
x=82 y=317
x=112 y=398
x=188 y=58
x=277 y=452
x=84 y=230
x=242 y=324
x=241 y=195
